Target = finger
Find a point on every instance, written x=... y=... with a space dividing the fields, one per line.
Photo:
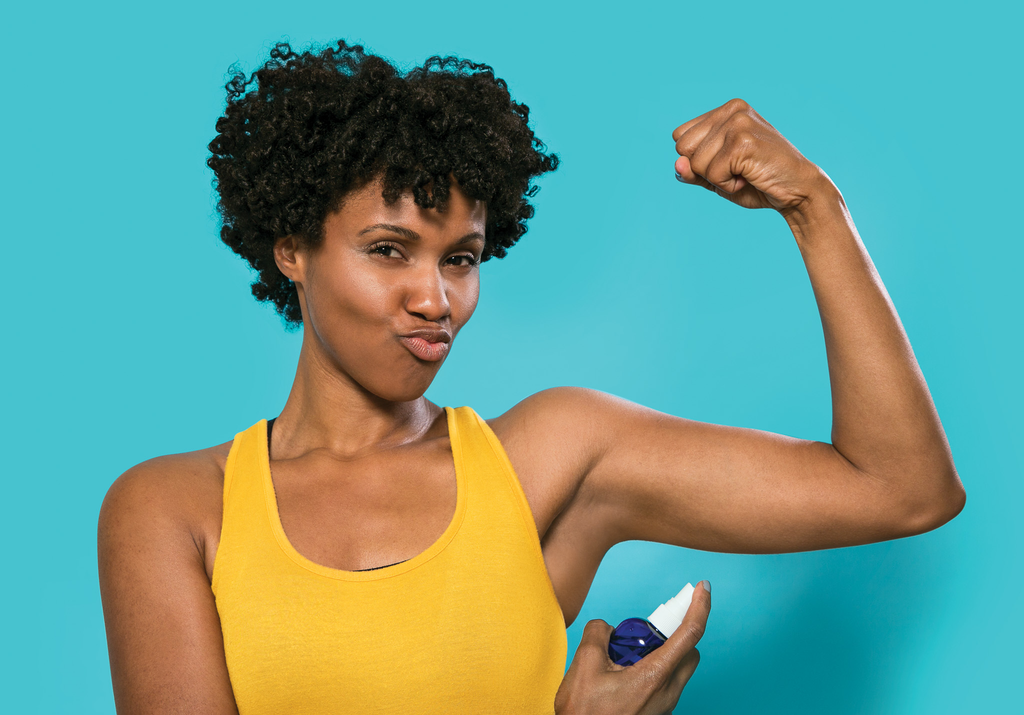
x=594 y=642
x=702 y=154
x=689 y=633
x=697 y=148
x=716 y=117
x=725 y=168
x=685 y=173
x=683 y=128
x=689 y=140
x=595 y=632
x=690 y=135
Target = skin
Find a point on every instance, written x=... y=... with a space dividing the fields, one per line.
x=596 y=470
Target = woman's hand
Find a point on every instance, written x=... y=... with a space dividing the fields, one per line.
x=732 y=151
x=594 y=685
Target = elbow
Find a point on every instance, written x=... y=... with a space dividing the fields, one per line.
x=951 y=503
x=930 y=512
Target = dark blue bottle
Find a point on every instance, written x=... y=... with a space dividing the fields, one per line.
x=636 y=637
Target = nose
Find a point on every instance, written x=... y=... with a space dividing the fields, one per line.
x=427 y=295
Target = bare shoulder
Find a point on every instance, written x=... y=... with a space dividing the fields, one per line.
x=179 y=493
x=168 y=482
x=158 y=528
x=551 y=405
x=539 y=425
x=553 y=438
x=560 y=414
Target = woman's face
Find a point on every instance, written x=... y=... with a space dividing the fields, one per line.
x=386 y=292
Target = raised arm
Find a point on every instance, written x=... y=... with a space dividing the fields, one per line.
x=888 y=472
x=163 y=631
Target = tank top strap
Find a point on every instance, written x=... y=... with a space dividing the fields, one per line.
x=244 y=456
x=483 y=456
x=244 y=528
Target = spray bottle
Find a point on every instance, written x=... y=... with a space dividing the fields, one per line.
x=636 y=637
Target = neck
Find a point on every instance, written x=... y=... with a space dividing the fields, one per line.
x=327 y=409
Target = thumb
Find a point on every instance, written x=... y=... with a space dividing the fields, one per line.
x=686 y=174
x=687 y=635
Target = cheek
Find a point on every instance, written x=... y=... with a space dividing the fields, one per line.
x=343 y=297
x=464 y=303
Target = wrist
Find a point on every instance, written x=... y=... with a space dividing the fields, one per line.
x=824 y=207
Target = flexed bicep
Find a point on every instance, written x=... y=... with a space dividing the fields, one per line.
x=667 y=479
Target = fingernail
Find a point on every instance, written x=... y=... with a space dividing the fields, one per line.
x=679 y=177
x=707 y=585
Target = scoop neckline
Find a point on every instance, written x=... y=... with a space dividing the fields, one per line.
x=383 y=572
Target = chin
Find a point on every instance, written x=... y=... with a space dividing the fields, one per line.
x=393 y=396
x=407 y=389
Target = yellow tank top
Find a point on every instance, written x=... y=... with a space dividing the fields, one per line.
x=470 y=625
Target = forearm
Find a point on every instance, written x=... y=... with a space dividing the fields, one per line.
x=883 y=418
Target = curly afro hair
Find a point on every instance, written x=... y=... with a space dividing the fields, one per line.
x=306 y=128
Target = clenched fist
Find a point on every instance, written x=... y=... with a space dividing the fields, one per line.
x=734 y=152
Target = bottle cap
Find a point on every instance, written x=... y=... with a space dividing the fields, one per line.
x=667 y=617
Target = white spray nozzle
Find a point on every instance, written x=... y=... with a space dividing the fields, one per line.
x=667 y=617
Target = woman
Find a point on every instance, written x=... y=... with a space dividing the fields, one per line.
x=368 y=550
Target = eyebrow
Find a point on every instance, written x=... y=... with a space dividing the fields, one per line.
x=411 y=235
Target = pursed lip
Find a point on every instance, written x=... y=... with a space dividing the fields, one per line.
x=428 y=344
x=430 y=335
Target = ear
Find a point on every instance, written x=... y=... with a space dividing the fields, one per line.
x=290 y=258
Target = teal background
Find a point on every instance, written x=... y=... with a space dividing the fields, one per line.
x=131 y=332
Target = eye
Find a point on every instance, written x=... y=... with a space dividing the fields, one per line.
x=387 y=250
x=469 y=260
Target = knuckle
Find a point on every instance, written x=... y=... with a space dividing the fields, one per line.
x=685 y=146
x=719 y=167
x=695 y=631
x=737 y=105
x=744 y=140
x=740 y=124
